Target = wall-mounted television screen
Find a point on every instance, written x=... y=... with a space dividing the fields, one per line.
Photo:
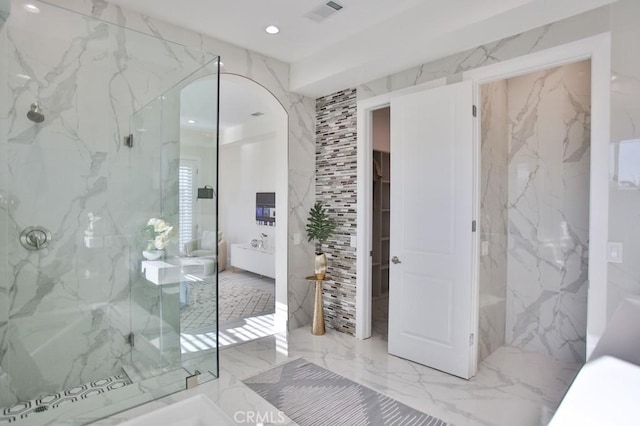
x=266 y=208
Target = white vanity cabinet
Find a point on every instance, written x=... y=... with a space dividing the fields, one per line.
x=258 y=261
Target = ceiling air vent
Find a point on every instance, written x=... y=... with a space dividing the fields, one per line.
x=321 y=13
x=257 y=114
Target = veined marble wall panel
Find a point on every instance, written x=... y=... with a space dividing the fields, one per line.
x=493 y=217
x=274 y=76
x=571 y=29
x=621 y=19
x=549 y=161
x=57 y=175
x=4 y=205
x=69 y=304
x=624 y=201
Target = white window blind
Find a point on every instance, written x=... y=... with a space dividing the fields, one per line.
x=186 y=201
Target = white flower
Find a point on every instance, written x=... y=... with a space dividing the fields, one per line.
x=160 y=226
x=161 y=233
x=160 y=242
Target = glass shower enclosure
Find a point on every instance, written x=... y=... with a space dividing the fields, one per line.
x=93 y=281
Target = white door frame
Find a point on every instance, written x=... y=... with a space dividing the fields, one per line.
x=596 y=48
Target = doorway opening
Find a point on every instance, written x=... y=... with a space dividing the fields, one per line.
x=381 y=213
x=593 y=261
x=251 y=246
x=534 y=212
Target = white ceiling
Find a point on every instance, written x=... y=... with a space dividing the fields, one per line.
x=242 y=22
x=239 y=99
x=198 y=103
x=367 y=39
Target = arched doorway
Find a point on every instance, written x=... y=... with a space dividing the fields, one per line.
x=252 y=208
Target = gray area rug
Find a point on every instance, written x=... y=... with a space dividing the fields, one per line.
x=241 y=294
x=312 y=395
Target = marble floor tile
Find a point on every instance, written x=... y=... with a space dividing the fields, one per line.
x=512 y=387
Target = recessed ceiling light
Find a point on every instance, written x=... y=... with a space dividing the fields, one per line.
x=31 y=8
x=272 y=29
x=23 y=76
x=191 y=121
x=614 y=77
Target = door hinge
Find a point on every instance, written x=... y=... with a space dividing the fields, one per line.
x=471 y=338
x=193 y=380
x=128 y=141
x=473 y=226
x=474 y=111
x=371 y=253
x=130 y=339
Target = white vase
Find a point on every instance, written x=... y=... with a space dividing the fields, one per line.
x=153 y=254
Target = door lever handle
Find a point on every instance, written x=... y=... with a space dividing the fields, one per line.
x=395 y=260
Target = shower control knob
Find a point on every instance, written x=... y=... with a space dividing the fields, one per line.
x=35 y=238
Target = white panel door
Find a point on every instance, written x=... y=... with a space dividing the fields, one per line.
x=430 y=288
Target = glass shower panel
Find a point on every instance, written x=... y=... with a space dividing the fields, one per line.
x=78 y=320
x=179 y=285
x=58 y=332
x=154 y=287
x=197 y=102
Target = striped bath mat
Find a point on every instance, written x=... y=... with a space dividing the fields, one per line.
x=312 y=395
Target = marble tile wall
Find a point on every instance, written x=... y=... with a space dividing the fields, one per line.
x=548 y=210
x=4 y=205
x=493 y=217
x=274 y=76
x=620 y=19
x=130 y=89
x=69 y=305
x=336 y=173
x=624 y=203
x=571 y=29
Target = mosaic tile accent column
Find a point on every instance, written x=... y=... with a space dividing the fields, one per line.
x=336 y=169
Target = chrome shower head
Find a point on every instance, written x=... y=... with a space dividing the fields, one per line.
x=35 y=113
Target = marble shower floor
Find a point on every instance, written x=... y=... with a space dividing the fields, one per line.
x=49 y=402
x=511 y=388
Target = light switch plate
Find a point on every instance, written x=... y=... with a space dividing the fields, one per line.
x=614 y=252
x=354 y=241
x=296 y=239
x=485 y=248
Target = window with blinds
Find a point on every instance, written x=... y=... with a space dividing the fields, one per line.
x=186 y=201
